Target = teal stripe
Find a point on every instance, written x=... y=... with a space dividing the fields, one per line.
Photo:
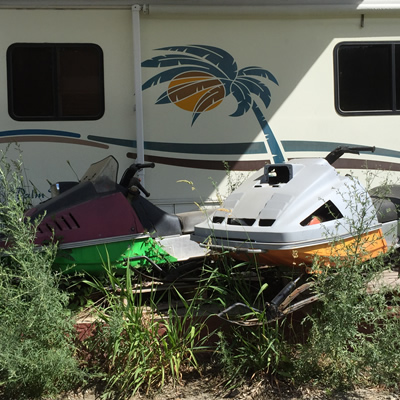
x=189 y=148
x=297 y=145
x=49 y=132
x=208 y=148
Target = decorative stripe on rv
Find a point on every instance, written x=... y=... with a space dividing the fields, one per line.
x=222 y=149
x=47 y=136
x=190 y=148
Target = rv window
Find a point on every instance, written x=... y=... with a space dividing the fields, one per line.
x=366 y=76
x=55 y=81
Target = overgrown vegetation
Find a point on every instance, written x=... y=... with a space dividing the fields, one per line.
x=37 y=353
x=244 y=352
x=134 y=347
x=253 y=352
x=137 y=345
x=355 y=334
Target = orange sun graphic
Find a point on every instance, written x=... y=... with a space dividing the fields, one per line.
x=196 y=91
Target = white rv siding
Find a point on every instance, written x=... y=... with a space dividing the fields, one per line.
x=297 y=50
x=111 y=30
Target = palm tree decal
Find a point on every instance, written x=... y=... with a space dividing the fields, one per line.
x=201 y=76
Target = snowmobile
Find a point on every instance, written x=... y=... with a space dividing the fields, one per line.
x=97 y=221
x=295 y=214
x=289 y=213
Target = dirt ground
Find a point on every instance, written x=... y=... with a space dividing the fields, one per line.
x=209 y=388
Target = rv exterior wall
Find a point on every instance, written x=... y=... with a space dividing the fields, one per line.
x=46 y=160
x=297 y=52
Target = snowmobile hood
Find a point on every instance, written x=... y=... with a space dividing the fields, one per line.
x=288 y=205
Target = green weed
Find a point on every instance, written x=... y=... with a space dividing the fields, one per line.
x=355 y=333
x=245 y=351
x=250 y=352
x=136 y=349
x=36 y=330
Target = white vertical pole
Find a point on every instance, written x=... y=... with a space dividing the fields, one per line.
x=137 y=60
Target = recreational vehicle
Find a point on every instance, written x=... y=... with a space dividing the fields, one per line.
x=199 y=87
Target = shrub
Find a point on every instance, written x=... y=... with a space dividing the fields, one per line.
x=355 y=334
x=36 y=331
x=245 y=350
x=135 y=349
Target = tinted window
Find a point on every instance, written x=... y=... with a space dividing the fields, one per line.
x=365 y=75
x=55 y=81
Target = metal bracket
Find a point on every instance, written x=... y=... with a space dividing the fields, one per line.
x=141 y=7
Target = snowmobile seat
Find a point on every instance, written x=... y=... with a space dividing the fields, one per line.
x=386 y=202
x=155 y=220
x=190 y=219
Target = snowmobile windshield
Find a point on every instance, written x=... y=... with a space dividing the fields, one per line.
x=103 y=174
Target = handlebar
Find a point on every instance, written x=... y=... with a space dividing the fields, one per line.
x=339 y=151
x=136 y=182
x=130 y=173
x=141 y=166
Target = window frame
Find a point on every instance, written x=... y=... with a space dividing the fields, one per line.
x=395 y=102
x=55 y=80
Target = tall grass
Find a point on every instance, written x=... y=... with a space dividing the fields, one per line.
x=137 y=349
x=355 y=334
x=354 y=337
x=36 y=330
x=244 y=351
x=253 y=352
